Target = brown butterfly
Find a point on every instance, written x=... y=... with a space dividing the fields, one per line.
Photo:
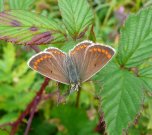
x=79 y=65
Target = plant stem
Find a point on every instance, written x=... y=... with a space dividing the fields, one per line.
x=30 y=108
x=78 y=98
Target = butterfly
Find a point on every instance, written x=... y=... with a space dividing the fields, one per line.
x=77 y=66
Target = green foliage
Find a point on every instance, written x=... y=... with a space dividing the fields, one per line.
x=3 y=132
x=24 y=27
x=1 y=5
x=146 y=76
x=72 y=14
x=21 y=4
x=73 y=120
x=136 y=37
x=123 y=81
x=15 y=83
x=121 y=97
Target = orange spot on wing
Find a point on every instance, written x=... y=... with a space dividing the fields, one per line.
x=81 y=47
x=99 y=50
x=35 y=63
x=95 y=49
x=85 y=46
x=41 y=59
x=35 y=67
x=77 y=49
x=103 y=51
x=108 y=56
x=106 y=52
x=45 y=56
x=38 y=60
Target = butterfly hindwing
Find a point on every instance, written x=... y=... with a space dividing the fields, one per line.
x=46 y=64
x=96 y=57
x=77 y=54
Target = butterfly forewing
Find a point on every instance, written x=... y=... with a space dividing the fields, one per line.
x=77 y=54
x=60 y=57
x=46 y=64
x=96 y=56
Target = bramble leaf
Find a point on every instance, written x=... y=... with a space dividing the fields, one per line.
x=74 y=117
x=8 y=58
x=21 y=4
x=146 y=75
x=136 y=39
x=121 y=97
x=27 y=28
x=77 y=16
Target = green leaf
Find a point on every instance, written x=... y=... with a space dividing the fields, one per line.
x=121 y=97
x=74 y=119
x=136 y=39
x=3 y=132
x=77 y=16
x=20 y=70
x=21 y=4
x=8 y=58
x=25 y=82
x=24 y=27
x=41 y=127
x=1 y=5
x=8 y=117
x=6 y=91
x=146 y=75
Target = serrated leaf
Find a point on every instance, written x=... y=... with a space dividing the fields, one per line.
x=121 y=98
x=25 y=82
x=20 y=70
x=77 y=16
x=8 y=58
x=146 y=75
x=1 y=5
x=21 y=4
x=27 y=28
x=42 y=127
x=73 y=119
x=136 y=39
x=6 y=91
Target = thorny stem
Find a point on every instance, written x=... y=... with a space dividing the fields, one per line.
x=100 y=128
x=30 y=109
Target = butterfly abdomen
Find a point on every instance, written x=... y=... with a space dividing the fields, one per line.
x=72 y=71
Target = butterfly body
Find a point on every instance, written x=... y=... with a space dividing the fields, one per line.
x=79 y=65
x=72 y=71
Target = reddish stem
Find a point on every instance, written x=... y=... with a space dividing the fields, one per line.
x=30 y=108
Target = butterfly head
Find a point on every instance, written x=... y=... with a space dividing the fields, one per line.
x=74 y=86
